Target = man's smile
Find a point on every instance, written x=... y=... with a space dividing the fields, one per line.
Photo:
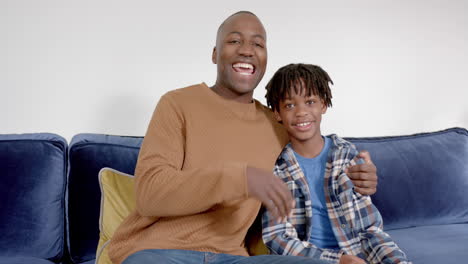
x=244 y=68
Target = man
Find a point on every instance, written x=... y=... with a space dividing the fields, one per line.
x=205 y=166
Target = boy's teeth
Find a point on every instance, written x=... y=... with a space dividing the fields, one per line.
x=303 y=124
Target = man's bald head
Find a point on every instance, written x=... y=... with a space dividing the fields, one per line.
x=243 y=12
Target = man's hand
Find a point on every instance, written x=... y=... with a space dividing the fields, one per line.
x=271 y=191
x=364 y=176
x=349 y=259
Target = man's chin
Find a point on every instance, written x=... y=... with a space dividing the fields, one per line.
x=245 y=87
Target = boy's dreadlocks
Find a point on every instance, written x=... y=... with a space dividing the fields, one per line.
x=314 y=78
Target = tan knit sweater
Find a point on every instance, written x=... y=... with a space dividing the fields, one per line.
x=191 y=184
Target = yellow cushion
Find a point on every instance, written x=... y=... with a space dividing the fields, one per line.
x=117 y=201
x=253 y=240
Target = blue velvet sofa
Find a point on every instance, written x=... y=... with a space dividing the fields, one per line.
x=50 y=195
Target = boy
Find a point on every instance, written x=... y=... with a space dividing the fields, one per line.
x=330 y=220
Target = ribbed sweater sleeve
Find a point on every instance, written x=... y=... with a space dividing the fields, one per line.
x=163 y=187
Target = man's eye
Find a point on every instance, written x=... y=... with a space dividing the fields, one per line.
x=258 y=45
x=234 y=41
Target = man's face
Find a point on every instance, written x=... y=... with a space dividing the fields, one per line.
x=240 y=55
x=301 y=115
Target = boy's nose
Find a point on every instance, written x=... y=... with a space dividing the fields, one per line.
x=301 y=111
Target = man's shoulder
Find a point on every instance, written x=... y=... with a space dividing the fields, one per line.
x=279 y=129
x=183 y=97
x=187 y=91
x=267 y=111
x=263 y=107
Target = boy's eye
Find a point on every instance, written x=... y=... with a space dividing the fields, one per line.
x=309 y=102
x=289 y=106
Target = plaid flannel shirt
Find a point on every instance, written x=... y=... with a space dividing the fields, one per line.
x=356 y=222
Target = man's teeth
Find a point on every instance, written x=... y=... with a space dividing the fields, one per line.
x=303 y=124
x=243 y=65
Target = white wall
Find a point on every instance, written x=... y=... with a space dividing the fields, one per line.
x=100 y=66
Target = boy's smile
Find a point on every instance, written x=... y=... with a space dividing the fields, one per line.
x=303 y=126
x=301 y=115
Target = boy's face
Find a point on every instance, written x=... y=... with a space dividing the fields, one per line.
x=301 y=116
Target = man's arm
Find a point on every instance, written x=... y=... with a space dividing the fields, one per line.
x=364 y=176
x=162 y=187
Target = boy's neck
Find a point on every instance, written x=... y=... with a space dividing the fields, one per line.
x=310 y=148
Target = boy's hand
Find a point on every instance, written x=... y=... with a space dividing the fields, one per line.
x=349 y=259
x=271 y=191
x=364 y=176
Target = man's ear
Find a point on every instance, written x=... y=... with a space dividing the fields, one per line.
x=213 y=56
x=277 y=116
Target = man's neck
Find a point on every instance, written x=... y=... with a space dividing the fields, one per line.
x=226 y=93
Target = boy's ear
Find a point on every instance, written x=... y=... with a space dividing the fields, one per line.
x=324 y=108
x=277 y=116
x=213 y=56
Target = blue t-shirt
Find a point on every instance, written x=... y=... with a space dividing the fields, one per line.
x=314 y=171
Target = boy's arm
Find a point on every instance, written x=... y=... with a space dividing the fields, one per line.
x=282 y=237
x=162 y=187
x=376 y=244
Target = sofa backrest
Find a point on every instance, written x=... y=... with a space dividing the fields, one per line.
x=423 y=178
x=32 y=191
x=88 y=154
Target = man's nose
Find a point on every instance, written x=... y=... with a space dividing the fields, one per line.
x=246 y=49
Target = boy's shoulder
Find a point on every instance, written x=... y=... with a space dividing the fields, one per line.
x=342 y=146
x=285 y=163
x=338 y=145
x=339 y=141
x=286 y=156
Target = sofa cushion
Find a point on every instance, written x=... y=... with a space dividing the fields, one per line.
x=423 y=178
x=117 y=202
x=32 y=191
x=446 y=244
x=88 y=154
x=92 y=261
x=23 y=260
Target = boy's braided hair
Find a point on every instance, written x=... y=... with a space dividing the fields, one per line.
x=298 y=76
